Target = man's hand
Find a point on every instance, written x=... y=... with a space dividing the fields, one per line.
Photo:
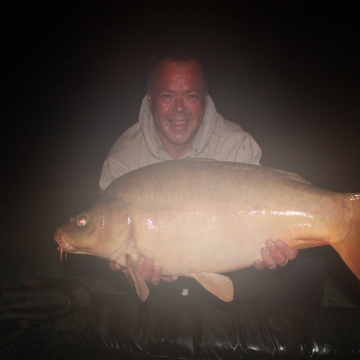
x=148 y=271
x=274 y=254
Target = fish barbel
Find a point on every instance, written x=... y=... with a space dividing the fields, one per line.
x=200 y=218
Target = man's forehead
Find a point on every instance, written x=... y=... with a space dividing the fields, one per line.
x=167 y=65
x=168 y=71
x=169 y=90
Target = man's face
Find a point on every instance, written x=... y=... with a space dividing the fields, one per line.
x=177 y=102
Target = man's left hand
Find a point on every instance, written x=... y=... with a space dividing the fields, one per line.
x=147 y=270
x=275 y=253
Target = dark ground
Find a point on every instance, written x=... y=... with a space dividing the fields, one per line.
x=73 y=82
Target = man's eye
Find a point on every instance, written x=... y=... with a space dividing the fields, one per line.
x=192 y=96
x=166 y=96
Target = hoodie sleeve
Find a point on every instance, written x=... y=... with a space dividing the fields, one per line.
x=111 y=170
x=123 y=157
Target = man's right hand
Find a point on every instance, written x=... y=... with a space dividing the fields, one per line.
x=147 y=270
x=275 y=253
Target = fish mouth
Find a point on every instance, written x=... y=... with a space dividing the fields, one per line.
x=63 y=244
x=65 y=247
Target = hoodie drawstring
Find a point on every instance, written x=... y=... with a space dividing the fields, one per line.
x=161 y=154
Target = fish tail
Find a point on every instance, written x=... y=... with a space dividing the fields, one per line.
x=349 y=247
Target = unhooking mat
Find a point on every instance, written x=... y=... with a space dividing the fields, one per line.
x=60 y=319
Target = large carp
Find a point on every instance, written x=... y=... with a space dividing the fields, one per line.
x=199 y=218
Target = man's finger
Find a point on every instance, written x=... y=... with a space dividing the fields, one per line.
x=146 y=268
x=156 y=275
x=114 y=266
x=259 y=265
x=267 y=258
x=286 y=250
x=277 y=256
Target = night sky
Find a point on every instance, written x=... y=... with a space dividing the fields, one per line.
x=287 y=72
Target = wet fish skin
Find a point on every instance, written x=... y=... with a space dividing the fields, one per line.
x=199 y=218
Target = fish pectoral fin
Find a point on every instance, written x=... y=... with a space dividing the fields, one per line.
x=140 y=284
x=219 y=285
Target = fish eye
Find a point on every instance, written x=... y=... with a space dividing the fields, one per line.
x=81 y=222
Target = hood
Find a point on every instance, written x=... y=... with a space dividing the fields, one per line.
x=153 y=142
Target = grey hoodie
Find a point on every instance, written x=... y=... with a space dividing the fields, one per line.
x=140 y=145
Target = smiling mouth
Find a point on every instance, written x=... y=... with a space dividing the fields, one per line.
x=178 y=122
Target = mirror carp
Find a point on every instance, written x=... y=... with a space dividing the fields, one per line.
x=200 y=218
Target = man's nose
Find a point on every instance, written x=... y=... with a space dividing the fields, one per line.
x=179 y=104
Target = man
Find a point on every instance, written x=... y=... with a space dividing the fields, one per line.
x=177 y=120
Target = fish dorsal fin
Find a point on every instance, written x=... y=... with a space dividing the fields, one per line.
x=219 y=285
x=292 y=176
x=140 y=284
